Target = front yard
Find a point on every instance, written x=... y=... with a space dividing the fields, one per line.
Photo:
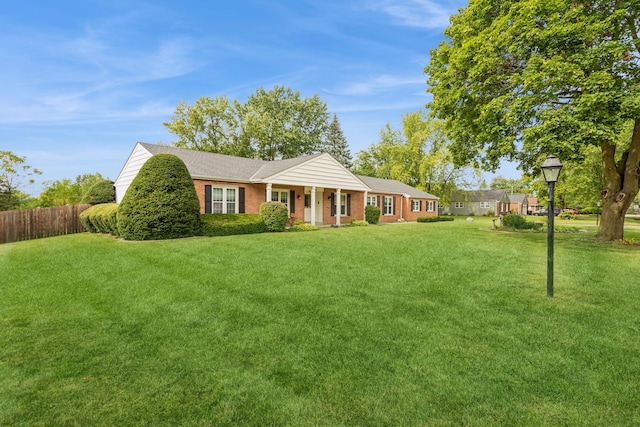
x=408 y=324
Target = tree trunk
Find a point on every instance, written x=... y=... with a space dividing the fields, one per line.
x=622 y=181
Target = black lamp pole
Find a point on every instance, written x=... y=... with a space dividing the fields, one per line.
x=551 y=170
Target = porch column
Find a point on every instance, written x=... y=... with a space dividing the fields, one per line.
x=338 y=201
x=268 y=192
x=364 y=207
x=313 y=205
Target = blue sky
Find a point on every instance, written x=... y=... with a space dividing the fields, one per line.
x=83 y=81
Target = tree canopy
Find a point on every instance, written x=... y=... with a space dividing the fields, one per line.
x=272 y=124
x=14 y=173
x=519 y=80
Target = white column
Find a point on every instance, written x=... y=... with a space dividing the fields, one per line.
x=268 y=192
x=338 y=201
x=313 y=205
x=364 y=207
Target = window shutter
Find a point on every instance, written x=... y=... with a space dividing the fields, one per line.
x=425 y=208
x=393 y=204
x=348 y=204
x=333 y=204
x=292 y=205
x=207 y=199
x=241 y=200
x=378 y=201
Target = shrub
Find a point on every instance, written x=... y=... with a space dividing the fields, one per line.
x=591 y=210
x=274 y=215
x=161 y=202
x=100 y=192
x=231 y=224
x=518 y=222
x=567 y=215
x=372 y=214
x=302 y=226
x=357 y=222
x=434 y=218
x=100 y=218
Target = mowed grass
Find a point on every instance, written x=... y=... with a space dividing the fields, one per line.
x=396 y=325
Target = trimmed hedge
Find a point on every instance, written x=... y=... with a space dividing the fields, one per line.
x=302 y=226
x=371 y=214
x=100 y=192
x=274 y=215
x=100 y=219
x=434 y=218
x=161 y=202
x=231 y=224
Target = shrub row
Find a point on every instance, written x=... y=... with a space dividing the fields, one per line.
x=434 y=218
x=101 y=219
x=231 y=224
x=518 y=222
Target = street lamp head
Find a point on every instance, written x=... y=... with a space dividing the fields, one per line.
x=551 y=169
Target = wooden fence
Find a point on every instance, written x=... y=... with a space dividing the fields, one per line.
x=40 y=222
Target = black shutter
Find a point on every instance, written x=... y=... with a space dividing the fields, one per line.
x=378 y=201
x=241 y=200
x=333 y=204
x=207 y=199
x=393 y=204
x=348 y=204
x=425 y=208
x=292 y=204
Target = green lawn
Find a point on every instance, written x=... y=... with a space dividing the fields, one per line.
x=395 y=325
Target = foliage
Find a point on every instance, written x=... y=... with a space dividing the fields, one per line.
x=100 y=191
x=435 y=219
x=523 y=79
x=358 y=222
x=161 y=202
x=274 y=215
x=336 y=144
x=453 y=319
x=274 y=124
x=100 y=218
x=512 y=186
x=231 y=224
x=567 y=215
x=590 y=210
x=417 y=155
x=518 y=222
x=302 y=226
x=59 y=193
x=371 y=214
x=13 y=174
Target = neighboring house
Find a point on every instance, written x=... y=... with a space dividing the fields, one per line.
x=532 y=205
x=518 y=203
x=481 y=202
x=316 y=189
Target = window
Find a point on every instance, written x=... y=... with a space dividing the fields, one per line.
x=372 y=200
x=224 y=200
x=280 y=196
x=415 y=205
x=343 y=204
x=458 y=205
x=430 y=206
x=485 y=205
x=388 y=205
x=307 y=200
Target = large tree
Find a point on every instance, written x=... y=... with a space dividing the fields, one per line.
x=523 y=79
x=13 y=174
x=272 y=124
x=417 y=155
x=336 y=144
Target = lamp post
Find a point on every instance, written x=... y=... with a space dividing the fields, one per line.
x=551 y=170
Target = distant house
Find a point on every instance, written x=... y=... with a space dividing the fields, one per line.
x=316 y=189
x=518 y=203
x=481 y=202
x=532 y=205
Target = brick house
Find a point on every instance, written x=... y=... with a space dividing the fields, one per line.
x=316 y=189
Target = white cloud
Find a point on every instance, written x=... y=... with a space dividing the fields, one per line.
x=415 y=13
x=377 y=84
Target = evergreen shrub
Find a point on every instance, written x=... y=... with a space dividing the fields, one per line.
x=518 y=222
x=161 y=202
x=357 y=222
x=372 y=214
x=434 y=218
x=302 y=226
x=231 y=224
x=274 y=215
x=100 y=219
x=100 y=192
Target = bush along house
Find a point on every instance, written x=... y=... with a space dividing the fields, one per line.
x=317 y=189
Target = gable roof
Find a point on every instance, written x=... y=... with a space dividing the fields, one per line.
x=380 y=185
x=519 y=198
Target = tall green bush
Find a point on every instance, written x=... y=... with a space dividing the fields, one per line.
x=100 y=218
x=372 y=214
x=100 y=192
x=161 y=202
x=274 y=215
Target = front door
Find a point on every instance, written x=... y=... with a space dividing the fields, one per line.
x=307 y=206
